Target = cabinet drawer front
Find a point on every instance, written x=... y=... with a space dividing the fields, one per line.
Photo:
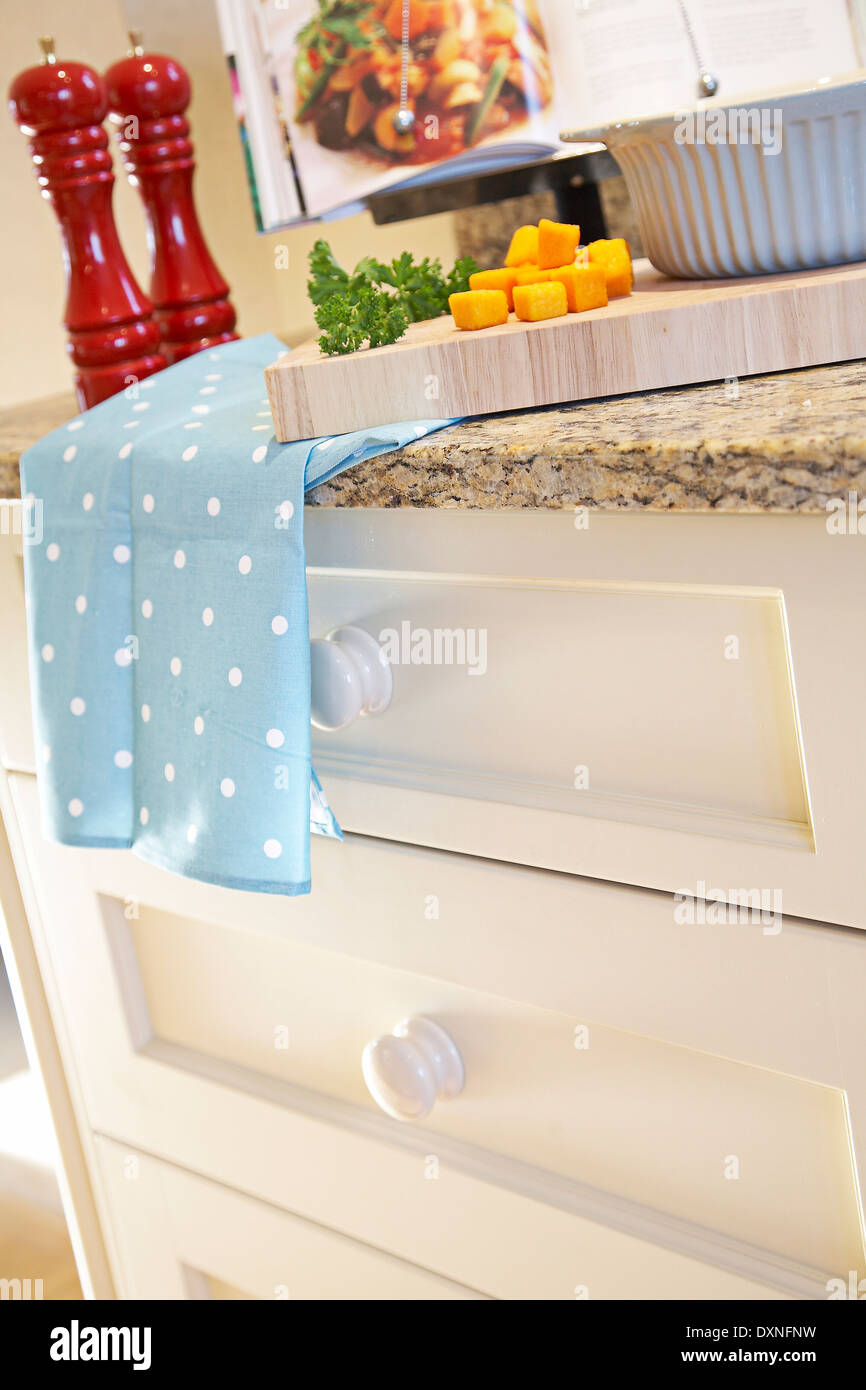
x=667 y=700
x=178 y=1235
x=174 y=990
x=543 y=693
x=757 y=1155
x=660 y=700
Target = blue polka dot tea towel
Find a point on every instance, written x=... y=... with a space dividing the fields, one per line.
x=167 y=623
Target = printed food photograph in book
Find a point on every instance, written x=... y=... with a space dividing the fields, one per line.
x=465 y=69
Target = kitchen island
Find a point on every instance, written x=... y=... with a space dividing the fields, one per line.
x=606 y=835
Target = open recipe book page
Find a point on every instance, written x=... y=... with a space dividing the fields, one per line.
x=630 y=58
x=490 y=83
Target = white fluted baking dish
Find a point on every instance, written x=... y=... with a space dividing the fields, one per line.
x=795 y=199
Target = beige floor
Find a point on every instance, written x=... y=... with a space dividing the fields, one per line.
x=34 y=1244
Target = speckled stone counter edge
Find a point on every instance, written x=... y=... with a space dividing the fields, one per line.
x=788 y=442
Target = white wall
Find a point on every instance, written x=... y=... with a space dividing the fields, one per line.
x=31 y=275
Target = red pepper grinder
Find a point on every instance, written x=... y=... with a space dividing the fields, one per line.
x=148 y=94
x=112 y=339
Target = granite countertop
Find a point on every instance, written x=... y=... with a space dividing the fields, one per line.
x=784 y=442
x=21 y=426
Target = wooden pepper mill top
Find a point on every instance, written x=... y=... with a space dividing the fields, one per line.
x=148 y=94
x=56 y=96
x=113 y=341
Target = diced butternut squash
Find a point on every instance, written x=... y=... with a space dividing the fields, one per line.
x=557 y=243
x=478 y=308
x=524 y=247
x=620 y=277
x=500 y=279
x=546 y=299
x=607 y=248
x=615 y=257
x=530 y=275
x=585 y=286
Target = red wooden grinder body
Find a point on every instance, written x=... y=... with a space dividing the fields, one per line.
x=148 y=94
x=112 y=339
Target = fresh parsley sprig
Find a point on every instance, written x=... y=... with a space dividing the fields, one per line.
x=377 y=301
x=350 y=320
x=417 y=284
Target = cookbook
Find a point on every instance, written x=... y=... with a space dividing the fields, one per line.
x=337 y=100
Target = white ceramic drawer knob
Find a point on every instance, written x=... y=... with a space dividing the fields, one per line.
x=407 y=1070
x=349 y=677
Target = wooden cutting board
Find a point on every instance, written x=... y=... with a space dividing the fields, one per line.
x=667 y=333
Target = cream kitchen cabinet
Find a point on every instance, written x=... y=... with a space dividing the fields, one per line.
x=667 y=700
x=231 y=1046
x=650 y=1108
x=672 y=701
x=181 y=1237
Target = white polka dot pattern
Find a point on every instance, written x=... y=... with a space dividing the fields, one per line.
x=170 y=660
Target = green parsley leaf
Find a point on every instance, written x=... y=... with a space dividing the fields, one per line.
x=377 y=302
x=349 y=320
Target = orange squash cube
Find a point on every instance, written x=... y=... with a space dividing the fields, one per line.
x=500 y=279
x=545 y=299
x=478 y=308
x=608 y=248
x=557 y=243
x=524 y=247
x=620 y=277
x=615 y=257
x=529 y=275
x=585 y=286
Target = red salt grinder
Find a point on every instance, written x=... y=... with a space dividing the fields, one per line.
x=112 y=339
x=147 y=95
